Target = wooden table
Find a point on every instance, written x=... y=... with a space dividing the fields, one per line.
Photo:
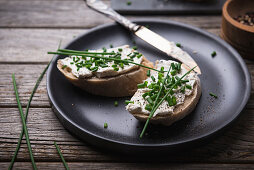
x=30 y=28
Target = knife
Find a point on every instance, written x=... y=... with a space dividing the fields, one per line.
x=145 y=34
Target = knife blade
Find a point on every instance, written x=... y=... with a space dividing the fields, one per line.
x=145 y=34
x=166 y=46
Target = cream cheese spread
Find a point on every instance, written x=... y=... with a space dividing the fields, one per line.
x=107 y=71
x=138 y=102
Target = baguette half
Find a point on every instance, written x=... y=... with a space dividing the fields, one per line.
x=179 y=112
x=116 y=86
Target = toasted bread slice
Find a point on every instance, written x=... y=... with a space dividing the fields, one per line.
x=179 y=112
x=121 y=85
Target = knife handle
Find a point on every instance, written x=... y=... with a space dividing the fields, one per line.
x=101 y=7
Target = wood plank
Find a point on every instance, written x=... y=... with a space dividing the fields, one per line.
x=27 y=74
x=74 y=14
x=236 y=145
x=126 y=166
x=32 y=45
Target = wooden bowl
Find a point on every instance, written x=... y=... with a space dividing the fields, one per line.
x=237 y=34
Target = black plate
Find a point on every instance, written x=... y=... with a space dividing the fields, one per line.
x=84 y=114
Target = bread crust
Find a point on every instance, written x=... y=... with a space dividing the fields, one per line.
x=180 y=111
x=116 y=86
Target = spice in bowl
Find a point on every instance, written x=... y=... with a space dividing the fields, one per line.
x=246 y=19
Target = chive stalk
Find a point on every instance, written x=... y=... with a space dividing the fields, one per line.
x=61 y=156
x=23 y=122
x=157 y=105
x=27 y=110
x=107 y=58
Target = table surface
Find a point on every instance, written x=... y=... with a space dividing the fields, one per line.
x=30 y=28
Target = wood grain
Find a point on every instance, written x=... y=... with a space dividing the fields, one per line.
x=236 y=145
x=126 y=166
x=74 y=14
x=32 y=45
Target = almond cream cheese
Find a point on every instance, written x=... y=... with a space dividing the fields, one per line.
x=139 y=102
x=106 y=71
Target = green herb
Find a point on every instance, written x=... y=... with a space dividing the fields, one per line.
x=106 y=58
x=128 y=101
x=139 y=55
x=213 y=54
x=188 y=86
x=84 y=52
x=142 y=85
x=213 y=95
x=61 y=156
x=147 y=26
x=116 y=103
x=27 y=110
x=128 y=3
x=152 y=77
x=111 y=46
x=155 y=107
x=120 y=49
x=134 y=47
x=105 y=125
x=178 y=45
x=23 y=122
x=156 y=100
x=148 y=73
x=64 y=66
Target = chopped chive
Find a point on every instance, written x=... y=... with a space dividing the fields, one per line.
x=116 y=69
x=93 y=69
x=23 y=122
x=120 y=49
x=152 y=77
x=213 y=54
x=128 y=3
x=111 y=46
x=213 y=95
x=173 y=66
x=104 y=49
x=148 y=73
x=128 y=101
x=71 y=62
x=184 y=81
x=188 y=86
x=64 y=66
x=183 y=89
x=178 y=45
x=139 y=55
x=148 y=107
x=142 y=85
x=174 y=100
x=150 y=101
x=105 y=125
x=170 y=101
x=147 y=26
x=162 y=69
x=125 y=61
x=173 y=72
x=61 y=156
x=156 y=105
x=116 y=103
x=134 y=47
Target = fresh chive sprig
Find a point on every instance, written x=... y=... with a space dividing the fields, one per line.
x=27 y=110
x=61 y=156
x=23 y=122
x=157 y=105
x=101 y=57
x=85 y=52
x=26 y=114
